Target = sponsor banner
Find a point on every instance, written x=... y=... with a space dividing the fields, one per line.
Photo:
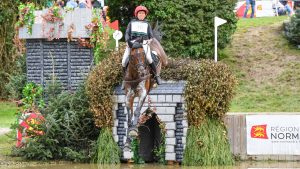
x=273 y=134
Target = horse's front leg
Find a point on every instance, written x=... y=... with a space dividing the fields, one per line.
x=129 y=98
x=142 y=96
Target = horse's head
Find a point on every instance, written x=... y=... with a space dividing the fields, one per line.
x=138 y=61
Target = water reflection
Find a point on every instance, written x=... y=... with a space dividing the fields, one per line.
x=241 y=165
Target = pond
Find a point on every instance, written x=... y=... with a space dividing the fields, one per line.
x=239 y=165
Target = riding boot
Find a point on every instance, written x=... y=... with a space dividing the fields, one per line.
x=123 y=82
x=156 y=77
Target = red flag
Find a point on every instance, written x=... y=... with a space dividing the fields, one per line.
x=114 y=25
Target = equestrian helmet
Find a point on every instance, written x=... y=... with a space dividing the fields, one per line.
x=140 y=8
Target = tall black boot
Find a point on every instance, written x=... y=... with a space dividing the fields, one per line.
x=123 y=82
x=156 y=77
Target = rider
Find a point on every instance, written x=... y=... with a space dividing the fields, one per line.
x=139 y=30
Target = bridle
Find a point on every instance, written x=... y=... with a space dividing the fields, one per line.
x=137 y=66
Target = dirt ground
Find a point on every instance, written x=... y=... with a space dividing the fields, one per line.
x=250 y=45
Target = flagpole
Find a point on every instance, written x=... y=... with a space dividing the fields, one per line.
x=216 y=42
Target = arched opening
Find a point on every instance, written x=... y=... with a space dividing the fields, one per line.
x=151 y=138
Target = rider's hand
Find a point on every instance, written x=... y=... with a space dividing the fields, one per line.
x=130 y=43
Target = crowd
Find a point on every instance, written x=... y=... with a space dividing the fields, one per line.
x=281 y=7
x=71 y=4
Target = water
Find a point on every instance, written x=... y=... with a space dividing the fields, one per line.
x=241 y=165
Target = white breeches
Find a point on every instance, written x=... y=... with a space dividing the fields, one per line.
x=146 y=49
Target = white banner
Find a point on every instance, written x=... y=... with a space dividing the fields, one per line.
x=273 y=134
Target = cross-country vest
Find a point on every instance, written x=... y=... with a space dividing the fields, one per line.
x=139 y=29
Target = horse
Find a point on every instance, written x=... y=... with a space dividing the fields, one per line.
x=138 y=83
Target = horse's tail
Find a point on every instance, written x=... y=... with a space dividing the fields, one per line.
x=156 y=46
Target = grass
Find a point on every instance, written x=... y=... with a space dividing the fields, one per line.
x=7 y=114
x=6 y=142
x=266 y=65
x=243 y=24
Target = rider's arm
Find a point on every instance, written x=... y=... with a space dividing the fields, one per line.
x=128 y=33
x=150 y=32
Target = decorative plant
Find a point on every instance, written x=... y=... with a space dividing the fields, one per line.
x=161 y=149
x=26 y=16
x=53 y=16
x=99 y=35
x=32 y=97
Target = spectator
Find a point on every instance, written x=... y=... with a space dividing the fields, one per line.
x=71 y=4
x=60 y=3
x=285 y=8
x=248 y=3
x=96 y=4
x=102 y=3
x=85 y=4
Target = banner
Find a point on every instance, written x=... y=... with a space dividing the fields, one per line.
x=273 y=134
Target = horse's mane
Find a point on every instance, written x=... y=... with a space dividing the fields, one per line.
x=156 y=46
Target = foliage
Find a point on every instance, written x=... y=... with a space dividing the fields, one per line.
x=100 y=86
x=160 y=151
x=9 y=53
x=135 y=146
x=17 y=80
x=207 y=145
x=107 y=151
x=191 y=21
x=122 y=11
x=69 y=131
x=33 y=97
x=52 y=17
x=26 y=16
x=99 y=35
x=53 y=14
x=209 y=88
x=210 y=92
x=292 y=29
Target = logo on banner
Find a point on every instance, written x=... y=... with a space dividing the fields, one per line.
x=259 y=131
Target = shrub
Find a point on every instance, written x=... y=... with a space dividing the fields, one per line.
x=17 y=80
x=208 y=91
x=292 y=29
x=207 y=145
x=100 y=85
x=69 y=131
x=107 y=151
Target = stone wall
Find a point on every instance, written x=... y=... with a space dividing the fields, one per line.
x=169 y=102
x=67 y=61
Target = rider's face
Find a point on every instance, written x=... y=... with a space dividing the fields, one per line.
x=141 y=15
